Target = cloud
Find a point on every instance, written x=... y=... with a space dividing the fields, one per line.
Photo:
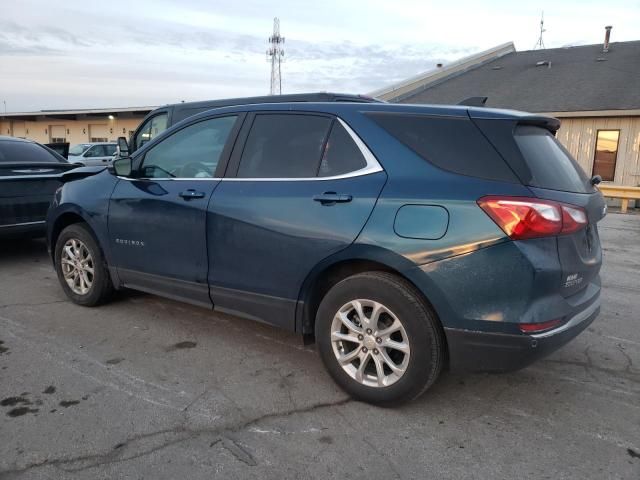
x=159 y=51
x=8 y=48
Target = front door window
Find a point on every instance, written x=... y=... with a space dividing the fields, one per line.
x=192 y=152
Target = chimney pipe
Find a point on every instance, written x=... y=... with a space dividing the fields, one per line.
x=607 y=36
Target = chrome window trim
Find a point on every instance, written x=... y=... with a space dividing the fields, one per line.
x=209 y=179
x=40 y=222
x=26 y=177
x=372 y=166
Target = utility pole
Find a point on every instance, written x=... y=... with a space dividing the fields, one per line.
x=274 y=55
x=540 y=42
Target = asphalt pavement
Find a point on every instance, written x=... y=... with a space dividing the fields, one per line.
x=150 y=388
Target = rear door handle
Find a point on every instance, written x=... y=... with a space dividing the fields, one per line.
x=329 y=198
x=189 y=194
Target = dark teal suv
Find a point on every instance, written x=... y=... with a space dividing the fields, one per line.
x=402 y=238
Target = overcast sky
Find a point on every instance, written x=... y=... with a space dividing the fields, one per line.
x=83 y=54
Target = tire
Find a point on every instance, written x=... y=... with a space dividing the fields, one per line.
x=99 y=286
x=398 y=301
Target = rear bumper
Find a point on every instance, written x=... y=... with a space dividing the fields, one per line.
x=498 y=352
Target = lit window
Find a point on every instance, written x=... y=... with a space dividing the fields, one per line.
x=604 y=161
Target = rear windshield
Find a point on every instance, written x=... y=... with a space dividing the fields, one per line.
x=26 y=152
x=550 y=163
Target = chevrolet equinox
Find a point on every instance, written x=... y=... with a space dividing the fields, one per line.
x=403 y=238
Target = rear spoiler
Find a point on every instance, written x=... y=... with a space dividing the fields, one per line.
x=48 y=165
x=550 y=123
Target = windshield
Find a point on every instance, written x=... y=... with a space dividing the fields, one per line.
x=79 y=149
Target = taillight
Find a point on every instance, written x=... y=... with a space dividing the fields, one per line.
x=539 y=327
x=573 y=218
x=523 y=217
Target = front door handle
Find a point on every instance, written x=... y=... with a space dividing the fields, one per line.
x=189 y=194
x=329 y=198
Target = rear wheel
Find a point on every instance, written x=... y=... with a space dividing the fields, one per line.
x=379 y=341
x=81 y=268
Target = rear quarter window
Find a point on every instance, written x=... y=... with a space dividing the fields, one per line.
x=341 y=154
x=551 y=165
x=451 y=143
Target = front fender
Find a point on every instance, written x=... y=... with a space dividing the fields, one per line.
x=87 y=199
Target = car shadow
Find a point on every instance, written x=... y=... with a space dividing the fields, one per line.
x=20 y=249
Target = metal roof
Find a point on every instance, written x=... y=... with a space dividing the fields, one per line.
x=74 y=114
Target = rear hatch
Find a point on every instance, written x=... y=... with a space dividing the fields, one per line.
x=530 y=148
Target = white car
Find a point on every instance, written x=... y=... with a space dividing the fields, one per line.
x=90 y=154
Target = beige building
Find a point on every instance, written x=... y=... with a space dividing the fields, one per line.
x=73 y=126
x=593 y=89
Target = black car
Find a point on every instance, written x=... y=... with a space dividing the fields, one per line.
x=29 y=176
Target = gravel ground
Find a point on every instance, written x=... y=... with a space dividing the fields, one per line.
x=150 y=388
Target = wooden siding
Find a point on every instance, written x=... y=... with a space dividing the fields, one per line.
x=578 y=135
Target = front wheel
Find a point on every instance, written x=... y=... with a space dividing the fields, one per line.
x=378 y=339
x=81 y=268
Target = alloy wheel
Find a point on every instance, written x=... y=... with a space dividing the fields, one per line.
x=370 y=343
x=77 y=266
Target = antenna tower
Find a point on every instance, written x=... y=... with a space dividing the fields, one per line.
x=540 y=42
x=275 y=55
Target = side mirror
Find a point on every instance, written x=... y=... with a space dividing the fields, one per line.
x=123 y=147
x=121 y=167
x=596 y=180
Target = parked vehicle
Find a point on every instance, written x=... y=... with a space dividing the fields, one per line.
x=162 y=118
x=402 y=237
x=29 y=175
x=91 y=154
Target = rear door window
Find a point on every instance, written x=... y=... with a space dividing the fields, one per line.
x=451 y=143
x=284 y=146
x=551 y=165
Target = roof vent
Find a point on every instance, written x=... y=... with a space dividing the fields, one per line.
x=496 y=67
x=607 y=37
x=542 y=63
